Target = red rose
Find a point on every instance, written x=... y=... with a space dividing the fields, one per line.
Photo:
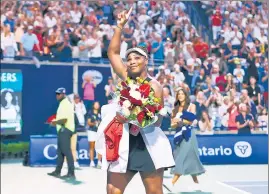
x=125 y=93
x=144 y=90
x=124 y=84
x=151 y=108
x=140 y=117
x=135 y=102
x=159 y=107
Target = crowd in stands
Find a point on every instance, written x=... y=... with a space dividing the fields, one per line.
x=227 y=79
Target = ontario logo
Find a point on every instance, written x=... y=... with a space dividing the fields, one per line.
x=242 y=149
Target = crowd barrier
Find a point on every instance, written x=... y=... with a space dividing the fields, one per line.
x=218 y=149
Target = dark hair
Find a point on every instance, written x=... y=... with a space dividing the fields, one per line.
x=202 y=119
x=177 y=102
x=3 y=96
x=94 y=104
x=169 y=89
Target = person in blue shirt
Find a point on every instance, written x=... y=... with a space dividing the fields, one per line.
x=10 y=21
x=158 y=49
x=28 y=41
x=264 y=84
x=244 y=121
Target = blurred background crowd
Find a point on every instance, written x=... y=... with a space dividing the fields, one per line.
x=226 y=73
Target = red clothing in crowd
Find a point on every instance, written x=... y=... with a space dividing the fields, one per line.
x=221 y=83
x=201 y=49
x=40 y=40
x=216 y=19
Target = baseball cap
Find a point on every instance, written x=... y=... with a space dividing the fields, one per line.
x=109 y=77
x=30 y=27
x=60 y=91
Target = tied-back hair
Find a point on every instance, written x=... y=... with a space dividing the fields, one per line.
x=177 y=102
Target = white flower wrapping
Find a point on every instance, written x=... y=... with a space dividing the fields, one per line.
x=127 y=103
x=135 y=94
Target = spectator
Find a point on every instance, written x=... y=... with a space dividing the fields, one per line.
x=263 y=120
x=19 y=32
x=76 y=14
x=8 y=44
x=93 y=121
x=221 y=82
x=244 y=121
x=236 y=38
x=65 y=50
x=200 y=79
x=27 y=43
x=10 y=21
x=213 y=103
x=264 y=83
x=201 y=48
x=207 y=87
x=206 y=124
x=254 y=91
x=214 y=73
x=230 y=83
x=223 y=113
x=80 y=113
x=158 y=49
x=200 y=104
x=110 y=89
x=96 y=45
x=233 y=111
x=143 y=18
x=50 y=20
x=178 y=75
x=239 y=73
x=84 y=48
x=216 y=20
x=88 y=91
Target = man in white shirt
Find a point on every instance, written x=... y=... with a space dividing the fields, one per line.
x=178 y=75
x=50 y=20
x=96 y=52
x=76 y=15
x=143 y=18
x=236 y=38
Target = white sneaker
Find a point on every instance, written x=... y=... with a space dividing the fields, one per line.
x=76 y=164
x=99 y=164
x=65 y=165
x=92 y=164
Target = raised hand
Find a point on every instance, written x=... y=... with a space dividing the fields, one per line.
x=123 y=17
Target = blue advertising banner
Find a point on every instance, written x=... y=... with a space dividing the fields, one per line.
x=232 y=149
x=11 y=101
x=218 y=149
x=43 y=150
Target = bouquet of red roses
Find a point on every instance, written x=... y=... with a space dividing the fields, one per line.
x=138 y=103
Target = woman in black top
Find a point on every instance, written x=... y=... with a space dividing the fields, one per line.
x=93 y=121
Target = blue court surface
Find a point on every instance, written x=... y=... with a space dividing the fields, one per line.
x=221 y=179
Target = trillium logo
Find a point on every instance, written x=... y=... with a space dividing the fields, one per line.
x=242 y=149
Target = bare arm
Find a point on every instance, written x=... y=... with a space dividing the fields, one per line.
x=114 y=47
x=90 y=123
x=158 y=93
